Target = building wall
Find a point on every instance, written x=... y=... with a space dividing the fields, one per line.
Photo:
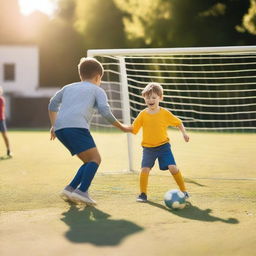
x=28 y=112
x=26 y=69
x=26 y=101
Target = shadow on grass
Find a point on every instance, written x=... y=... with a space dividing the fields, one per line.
x=90 y=225
x=195 y=213
x=188 y=180
x=5 y=157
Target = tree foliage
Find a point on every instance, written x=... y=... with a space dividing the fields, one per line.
x=79 y=25
x=168 y=23
x=100 y=22
x=249 y=20
x=10 y=22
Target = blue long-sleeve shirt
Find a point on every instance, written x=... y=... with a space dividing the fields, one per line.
x=76 y=103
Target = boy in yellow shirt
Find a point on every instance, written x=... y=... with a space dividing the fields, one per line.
x=154 y=121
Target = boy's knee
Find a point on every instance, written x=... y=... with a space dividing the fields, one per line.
x=145 y=170
x=173 y=169
x=96 y=159
x=99 y=160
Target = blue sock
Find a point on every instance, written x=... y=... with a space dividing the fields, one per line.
x=88 y=174
x=78 y=177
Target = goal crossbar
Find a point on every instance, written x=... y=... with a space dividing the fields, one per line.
x=164 y=51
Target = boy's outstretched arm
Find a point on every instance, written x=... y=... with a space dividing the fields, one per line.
x=52 y=116
x=122 y=127
x=183 y=131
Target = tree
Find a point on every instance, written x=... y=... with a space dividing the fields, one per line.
x=100 y=22
x=10 y=22
x=249 y=20
x=61 y=47
x=176 y=23
x=77 y=26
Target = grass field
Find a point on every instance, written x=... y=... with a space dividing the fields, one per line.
x=219 y=170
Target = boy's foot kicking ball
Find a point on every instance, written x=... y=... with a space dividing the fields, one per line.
x=142 y=198
x=187 y=197
x=82 y=197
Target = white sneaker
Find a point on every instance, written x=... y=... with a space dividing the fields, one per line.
x=82 y=197
x=66 y=193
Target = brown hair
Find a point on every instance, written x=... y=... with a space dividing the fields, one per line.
x=89 y=68
x=153 y=88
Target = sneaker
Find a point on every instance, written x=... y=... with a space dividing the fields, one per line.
x=142 y=198
x=187 y=196
x=66 y=193
x=82 y=197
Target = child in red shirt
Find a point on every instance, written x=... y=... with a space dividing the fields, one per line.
x=3 y=128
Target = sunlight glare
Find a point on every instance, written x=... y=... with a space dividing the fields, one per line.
x=29 y=6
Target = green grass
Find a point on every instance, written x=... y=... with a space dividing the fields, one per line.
x=219 y=171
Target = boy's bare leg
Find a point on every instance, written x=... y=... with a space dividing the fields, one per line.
x=6 y=141
x=90 y=155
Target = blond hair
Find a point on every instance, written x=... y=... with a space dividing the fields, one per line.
x=88 y=68
x=153 y=88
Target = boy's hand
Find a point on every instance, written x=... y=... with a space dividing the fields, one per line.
x=53 y=136
x=122 y=127
x=186 y=137
x=127 y=128
x=182 y=129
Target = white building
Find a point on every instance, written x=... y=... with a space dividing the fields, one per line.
x=19 y=69
x=19 y=74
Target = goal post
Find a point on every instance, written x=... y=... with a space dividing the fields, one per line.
x=209 y=88
x=126 y=106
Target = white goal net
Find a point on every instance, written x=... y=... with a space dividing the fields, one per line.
x=208 y=88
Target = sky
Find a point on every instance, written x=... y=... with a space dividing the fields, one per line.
x=28 y=6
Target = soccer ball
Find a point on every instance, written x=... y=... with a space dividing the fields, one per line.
x=174 y=199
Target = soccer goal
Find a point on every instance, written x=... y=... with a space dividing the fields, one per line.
x=210 y=89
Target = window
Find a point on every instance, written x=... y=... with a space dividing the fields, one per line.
x=9 y=72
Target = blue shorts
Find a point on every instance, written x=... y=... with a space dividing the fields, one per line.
x=163 y=153
x=76 y=140
x=3 y=127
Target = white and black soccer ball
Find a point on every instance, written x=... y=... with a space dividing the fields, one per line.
x=174 y=199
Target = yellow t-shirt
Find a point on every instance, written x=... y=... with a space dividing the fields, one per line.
x=154 y=126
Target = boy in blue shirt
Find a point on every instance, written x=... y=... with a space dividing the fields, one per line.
x=70 y=112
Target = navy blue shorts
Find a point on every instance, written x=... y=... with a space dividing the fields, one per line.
x=163 y=153
x=76 y=140
x=3 y=127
